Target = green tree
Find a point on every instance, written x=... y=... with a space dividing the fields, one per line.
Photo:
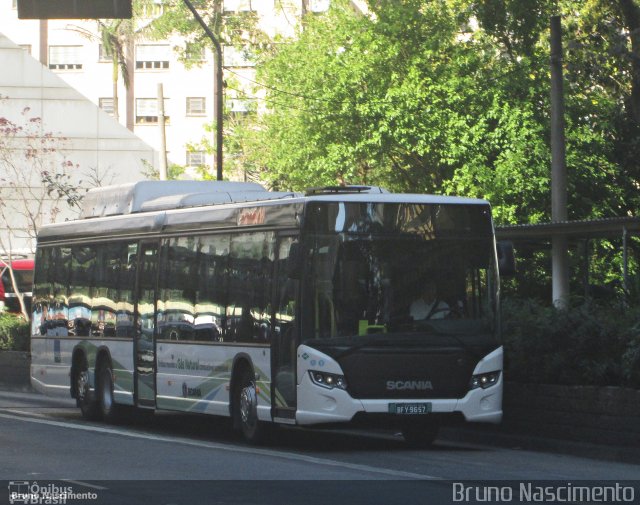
x=412 y=98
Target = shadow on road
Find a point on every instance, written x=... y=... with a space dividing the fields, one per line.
x=220 y=430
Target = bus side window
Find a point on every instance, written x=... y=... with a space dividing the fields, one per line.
x=250 y=282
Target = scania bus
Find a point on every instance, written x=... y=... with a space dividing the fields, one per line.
x=271 y=307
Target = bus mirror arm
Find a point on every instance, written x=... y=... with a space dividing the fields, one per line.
x=294 y=261
x=506 y=259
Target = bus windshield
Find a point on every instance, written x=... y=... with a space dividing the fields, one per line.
x=398 y=272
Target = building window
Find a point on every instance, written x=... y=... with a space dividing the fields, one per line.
x=240 y=5
x=239 y=107
x=65 y=57
x=152 y=10
x=319 y=5
x=234 y=57
x=106 y=104
x=152 y=56
x=194 y=53
x=26 y=48
x=102 y=54
x=195 y=158
x=147 y=111
x=196 y=106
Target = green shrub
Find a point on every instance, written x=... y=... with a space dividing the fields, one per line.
x=588 y=344
x=14 y=333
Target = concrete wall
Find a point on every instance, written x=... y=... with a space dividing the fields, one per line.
x=15 y=370
x=601 y=415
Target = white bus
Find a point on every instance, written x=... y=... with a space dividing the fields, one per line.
x=223 y=298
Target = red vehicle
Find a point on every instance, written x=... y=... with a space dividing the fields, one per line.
x=23 y=272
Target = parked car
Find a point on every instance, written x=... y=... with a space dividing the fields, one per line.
x=23 y=272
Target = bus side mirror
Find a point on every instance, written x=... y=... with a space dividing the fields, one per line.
x=294 y=261
x=506 y=259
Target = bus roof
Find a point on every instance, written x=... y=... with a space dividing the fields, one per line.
x=151 y=207
x=148 y=196
x=145 y=196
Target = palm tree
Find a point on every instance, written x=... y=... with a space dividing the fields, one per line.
x=115 y=35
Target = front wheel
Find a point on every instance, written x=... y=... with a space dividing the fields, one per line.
x=420 y=436
x=246 y=409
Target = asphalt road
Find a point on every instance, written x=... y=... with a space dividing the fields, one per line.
x=174 y=458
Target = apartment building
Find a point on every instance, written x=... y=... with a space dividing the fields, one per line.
x=72 y=50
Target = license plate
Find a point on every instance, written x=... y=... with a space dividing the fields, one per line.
x=409 y=408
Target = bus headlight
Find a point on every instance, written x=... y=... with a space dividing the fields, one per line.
x=328 y=380
x=484 y=380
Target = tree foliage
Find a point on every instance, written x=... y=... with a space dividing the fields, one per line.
x=36 y=184
x=452 y=96
x=414 y=99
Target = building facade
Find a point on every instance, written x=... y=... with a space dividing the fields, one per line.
x=72 y=50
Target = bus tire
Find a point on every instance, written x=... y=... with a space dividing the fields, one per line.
x=85 y=399
x=108 y=408
x=420 y=436
x=246 y=408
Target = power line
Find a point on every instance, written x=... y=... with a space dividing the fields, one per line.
x=339 y=102
x=296 y=95
x=244 y=96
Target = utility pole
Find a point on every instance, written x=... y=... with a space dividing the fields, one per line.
x=559 y=252
x=43 y=52
x=163 y=134
x=217 y=88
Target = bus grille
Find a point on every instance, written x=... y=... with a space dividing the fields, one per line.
x=408 y=374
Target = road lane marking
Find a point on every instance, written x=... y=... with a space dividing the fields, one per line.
x=224 y=447
x=85 y=484
x=25 y=413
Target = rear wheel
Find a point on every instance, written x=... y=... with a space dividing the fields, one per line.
x=85 y=398
x=420 y=436
x=246 y=408
x=107 y=407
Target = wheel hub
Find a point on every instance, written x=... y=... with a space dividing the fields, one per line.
x=248 y=403
x=82 y=385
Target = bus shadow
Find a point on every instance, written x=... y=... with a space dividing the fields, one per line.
x=218 y=429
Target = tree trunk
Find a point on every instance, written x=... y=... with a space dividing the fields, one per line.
x=115 y=74
x=131 y=64
x=631 y=15
x=16 y=290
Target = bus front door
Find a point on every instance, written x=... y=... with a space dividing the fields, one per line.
x=145 y=325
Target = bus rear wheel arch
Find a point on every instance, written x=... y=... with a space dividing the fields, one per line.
x=81 y=388
x=108 y=409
